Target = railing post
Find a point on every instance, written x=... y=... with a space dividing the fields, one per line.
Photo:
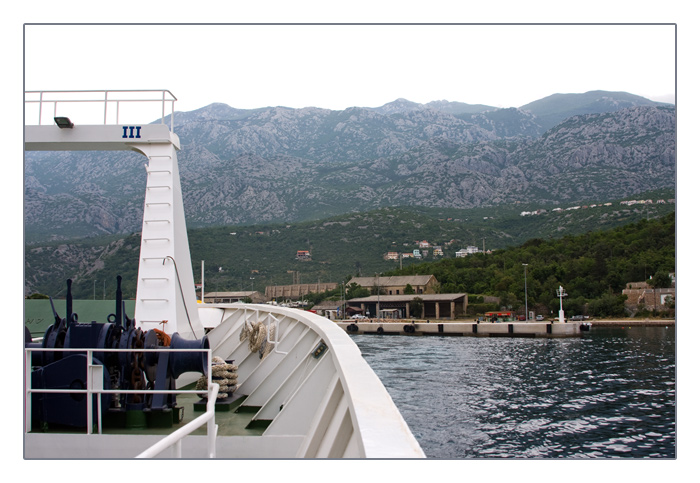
x=27 y=391
x=89 y=391
x=212 y=428
x=106 y=103
x=41 y=104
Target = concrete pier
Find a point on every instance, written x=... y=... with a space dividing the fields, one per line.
x=473 y=329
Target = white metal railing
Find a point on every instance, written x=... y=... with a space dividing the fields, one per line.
x=111 y=101
x=175 y=439
x=275 y=342
x=95 y=387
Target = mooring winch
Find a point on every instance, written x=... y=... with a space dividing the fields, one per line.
x=132 y=369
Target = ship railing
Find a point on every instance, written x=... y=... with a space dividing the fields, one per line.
x=95 y=386
x=99 y=107
x=174 y=439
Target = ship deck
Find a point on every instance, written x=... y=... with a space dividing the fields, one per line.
x=232 y=419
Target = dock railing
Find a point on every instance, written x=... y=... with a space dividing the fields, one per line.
x=95 y=386
x=98 y=107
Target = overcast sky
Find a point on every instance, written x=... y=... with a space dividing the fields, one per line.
x=338 y=66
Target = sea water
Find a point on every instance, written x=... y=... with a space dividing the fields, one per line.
x=608 y=394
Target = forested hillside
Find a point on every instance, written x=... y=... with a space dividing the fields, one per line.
x=593 y=268
x=253 y=257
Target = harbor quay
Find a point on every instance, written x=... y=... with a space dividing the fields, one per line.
x=473 y=328
x=551 y=328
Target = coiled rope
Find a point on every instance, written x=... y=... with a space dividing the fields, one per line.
x=224 y=374
x=257 y=337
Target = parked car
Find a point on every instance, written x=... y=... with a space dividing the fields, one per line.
x=578 y=317
x=358 y=316
x=539 y=317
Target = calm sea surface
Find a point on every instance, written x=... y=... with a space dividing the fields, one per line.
x=609 y=394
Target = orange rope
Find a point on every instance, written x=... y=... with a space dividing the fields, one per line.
x=163 y=337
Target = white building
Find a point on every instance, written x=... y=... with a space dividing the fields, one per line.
x=470 y=250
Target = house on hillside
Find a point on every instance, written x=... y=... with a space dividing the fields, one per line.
x=470 y=250
x=303 y=255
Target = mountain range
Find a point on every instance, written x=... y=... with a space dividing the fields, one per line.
x=278 y=164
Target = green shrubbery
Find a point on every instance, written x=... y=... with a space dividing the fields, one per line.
x=593 y=269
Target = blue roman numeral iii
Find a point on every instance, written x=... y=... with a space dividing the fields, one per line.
x=129 y=131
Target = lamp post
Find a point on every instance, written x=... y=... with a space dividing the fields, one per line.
x=342 y=301
x=561 y=294
x=526 y=313
x=376 y=277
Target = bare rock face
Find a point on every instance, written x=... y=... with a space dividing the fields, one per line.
x=281 y=164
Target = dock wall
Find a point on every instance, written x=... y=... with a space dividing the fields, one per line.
x=473 y=329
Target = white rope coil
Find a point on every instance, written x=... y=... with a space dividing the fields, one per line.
x=257 y=337
x=256 y=334
x=224 y=374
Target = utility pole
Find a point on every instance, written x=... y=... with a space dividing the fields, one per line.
x=376 y=277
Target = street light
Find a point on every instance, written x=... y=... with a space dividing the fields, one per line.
x=561 y=294
x=526 y=313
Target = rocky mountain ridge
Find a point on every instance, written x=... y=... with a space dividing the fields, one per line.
x=281 y=164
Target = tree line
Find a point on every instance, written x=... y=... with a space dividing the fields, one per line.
x=593 y=268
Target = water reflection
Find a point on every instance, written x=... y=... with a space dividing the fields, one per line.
x=610 y=393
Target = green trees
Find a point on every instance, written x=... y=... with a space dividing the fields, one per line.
x=355 y=291
x=608 y=305
x=415 y=307
x=660 y=280
x=593 y=268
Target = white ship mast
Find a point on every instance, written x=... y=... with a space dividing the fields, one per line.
x=165 y=296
